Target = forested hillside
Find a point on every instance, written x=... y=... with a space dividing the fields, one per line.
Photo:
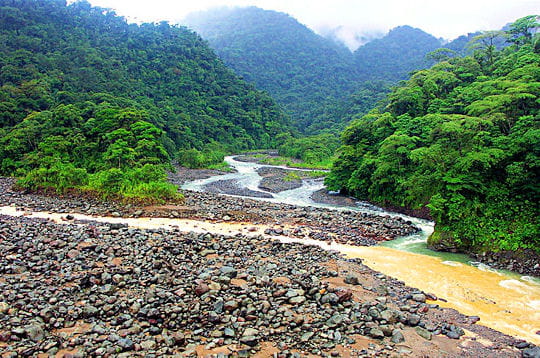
x=300 y=69
x=318 y=82
x=462 y=139
x=392 y=57
x=86 y=98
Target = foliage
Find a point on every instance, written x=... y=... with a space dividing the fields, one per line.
x=311 y=150
x=319 y=82
x=463 y=139
x=292 y=176
x=193 y=158
x=86 y=99
x=392 y=57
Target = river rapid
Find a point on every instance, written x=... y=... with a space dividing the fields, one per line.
x=504 y=301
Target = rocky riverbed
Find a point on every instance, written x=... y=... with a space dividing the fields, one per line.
x=111 y=290
x=97 y=289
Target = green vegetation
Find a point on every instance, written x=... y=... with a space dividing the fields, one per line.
x=292 y=176
x=90 y=102
x=319 y=82
x=193 y=158
x=314 y=152
x=463 y=139
x=392 y=57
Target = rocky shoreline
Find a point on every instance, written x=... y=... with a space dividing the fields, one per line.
x=525 y=262
x=112 y=290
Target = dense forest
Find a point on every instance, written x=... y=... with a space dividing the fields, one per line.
x=392 y=57
x=320 y=83
x=88 y=100
x=461 y=139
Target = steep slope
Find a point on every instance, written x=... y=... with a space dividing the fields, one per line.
x=392 y=57
x=300 y=69
x=79 y=85
x=461 y=139
x=319 y=82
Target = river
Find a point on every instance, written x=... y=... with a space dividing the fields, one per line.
x=505 y=301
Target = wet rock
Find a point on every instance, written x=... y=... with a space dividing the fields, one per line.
x=419 y=297
x=531 y=352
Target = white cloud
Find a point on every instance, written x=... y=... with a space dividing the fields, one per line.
x=442 y=18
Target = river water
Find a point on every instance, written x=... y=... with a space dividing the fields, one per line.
x=504 y=301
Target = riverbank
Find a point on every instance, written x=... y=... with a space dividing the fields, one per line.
x=111 y=289
x=84 y=267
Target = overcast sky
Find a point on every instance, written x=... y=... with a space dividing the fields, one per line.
x=442 y=18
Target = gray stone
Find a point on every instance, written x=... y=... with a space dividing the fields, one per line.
x=90 y=311
x=531 y=352
x=413 y=319
x=126 y=344
x=229 y=332
x=424 y=333
x=389 y=316
x=35 y=332
x=250 y=332
x=376 y=333
x=4 y=307
x=351 y=279
x=334 y=321
x=297 y=300
x=148 y=345
x=397 y=336
x=249 y=340
x=306 y=336
x=228 y=271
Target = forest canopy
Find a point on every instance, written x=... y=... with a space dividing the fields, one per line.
x=462 y=139
x=87 y=99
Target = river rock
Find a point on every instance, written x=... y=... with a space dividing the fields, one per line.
x=35 y=332
x=397 y=337
x=424 y=333
x=531 y=352
x=351 y=279
x=376 y=333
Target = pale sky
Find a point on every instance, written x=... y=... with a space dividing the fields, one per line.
x=442 y=18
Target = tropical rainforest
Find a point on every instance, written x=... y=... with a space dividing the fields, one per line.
x=320 y=83
x=90 y=101
x=461 y=139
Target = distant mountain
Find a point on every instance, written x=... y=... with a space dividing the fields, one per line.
x=299 y=68
x=316 y=79
x=392 y=57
